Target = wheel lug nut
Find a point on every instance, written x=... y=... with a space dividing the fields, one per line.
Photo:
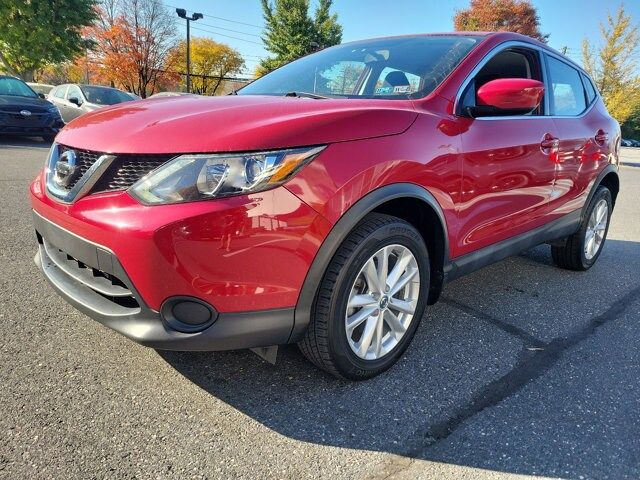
x=386 y=289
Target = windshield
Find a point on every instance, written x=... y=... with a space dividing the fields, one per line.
x=104 y=96
x=15 y=88
x=392 y=68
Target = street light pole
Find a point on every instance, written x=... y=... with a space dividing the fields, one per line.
x=182 y=13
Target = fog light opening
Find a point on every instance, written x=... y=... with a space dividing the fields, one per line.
x=188 y=314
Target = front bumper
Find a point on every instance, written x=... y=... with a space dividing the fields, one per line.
x=45 y=125
x=101 y=289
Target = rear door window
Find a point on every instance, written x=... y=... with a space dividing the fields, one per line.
x=567 y=92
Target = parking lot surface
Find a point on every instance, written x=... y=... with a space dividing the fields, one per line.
x=521 y=370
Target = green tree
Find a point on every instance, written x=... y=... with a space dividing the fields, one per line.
x=37 y=32
x=291 y=32
x=614 y=65
x=211 y=62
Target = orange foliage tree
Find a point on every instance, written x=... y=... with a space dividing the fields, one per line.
x=133 y=40
x=518 y=16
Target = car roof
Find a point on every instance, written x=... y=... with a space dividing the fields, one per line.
x=498 y=36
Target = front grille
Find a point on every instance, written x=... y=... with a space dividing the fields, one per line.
x=124 y=171
x=16 y=119
x=19 y=108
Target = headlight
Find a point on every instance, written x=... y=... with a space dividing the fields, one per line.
x=188 y=178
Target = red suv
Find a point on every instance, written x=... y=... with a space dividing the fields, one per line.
x=327 y=202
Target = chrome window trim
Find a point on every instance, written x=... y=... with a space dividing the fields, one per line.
x=84 y=183
x=541 y=51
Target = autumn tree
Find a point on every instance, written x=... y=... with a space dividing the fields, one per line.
x=38 y=32
x=518 y=16
x=57 y=73
x=291 y=32
x=134 y=39
x=614 y=65
x=211 y=62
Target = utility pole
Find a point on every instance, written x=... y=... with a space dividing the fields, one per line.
x=86 y=65
x=182 y=13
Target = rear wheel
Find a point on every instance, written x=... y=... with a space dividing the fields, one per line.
x=581 y=250
x=370 y=300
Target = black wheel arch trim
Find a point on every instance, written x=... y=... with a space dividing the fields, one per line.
x=341 y=230
x=611 y=168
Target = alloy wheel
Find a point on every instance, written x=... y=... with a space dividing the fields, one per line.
x=596 y=229
x=382 y=302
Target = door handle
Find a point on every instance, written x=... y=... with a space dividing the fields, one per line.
x=601 y=137
x=549 y=144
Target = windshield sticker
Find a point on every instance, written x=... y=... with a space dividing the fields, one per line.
x=402 y=89
x=384 y=90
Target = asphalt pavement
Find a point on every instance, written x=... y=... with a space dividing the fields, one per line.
x=521 y=370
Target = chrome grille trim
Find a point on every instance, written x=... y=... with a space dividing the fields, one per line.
x=86 y=179
x=97 y=172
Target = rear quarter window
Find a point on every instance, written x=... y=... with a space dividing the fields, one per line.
x=589 y=88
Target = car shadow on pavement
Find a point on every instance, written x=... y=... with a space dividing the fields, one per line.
x=500 y=375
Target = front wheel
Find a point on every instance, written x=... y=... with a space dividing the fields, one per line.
x=370 y=300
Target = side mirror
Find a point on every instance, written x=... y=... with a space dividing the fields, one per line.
x=42 y=96
x=75 y=101
x=507 y=96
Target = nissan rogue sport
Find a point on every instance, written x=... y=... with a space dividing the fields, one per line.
x=327 y=202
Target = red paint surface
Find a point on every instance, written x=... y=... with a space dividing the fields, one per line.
x=511 y=93
x=492 y=178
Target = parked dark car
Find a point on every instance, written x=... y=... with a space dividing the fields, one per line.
x=24 y=112
x=74 y=100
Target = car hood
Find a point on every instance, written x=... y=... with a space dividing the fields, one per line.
x=12 y=102
x=233 y=123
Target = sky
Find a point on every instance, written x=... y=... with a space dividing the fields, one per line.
x=567 y=21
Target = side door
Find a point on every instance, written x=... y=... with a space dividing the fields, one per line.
x=507 y=168
x=74 y=110
x=584 y=133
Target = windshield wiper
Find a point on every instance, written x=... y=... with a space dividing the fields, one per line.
x=304 y=95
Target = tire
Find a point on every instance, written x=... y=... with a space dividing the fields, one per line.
x=574 y=253
x=326 y=342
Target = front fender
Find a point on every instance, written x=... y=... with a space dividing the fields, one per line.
x=339 y=233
